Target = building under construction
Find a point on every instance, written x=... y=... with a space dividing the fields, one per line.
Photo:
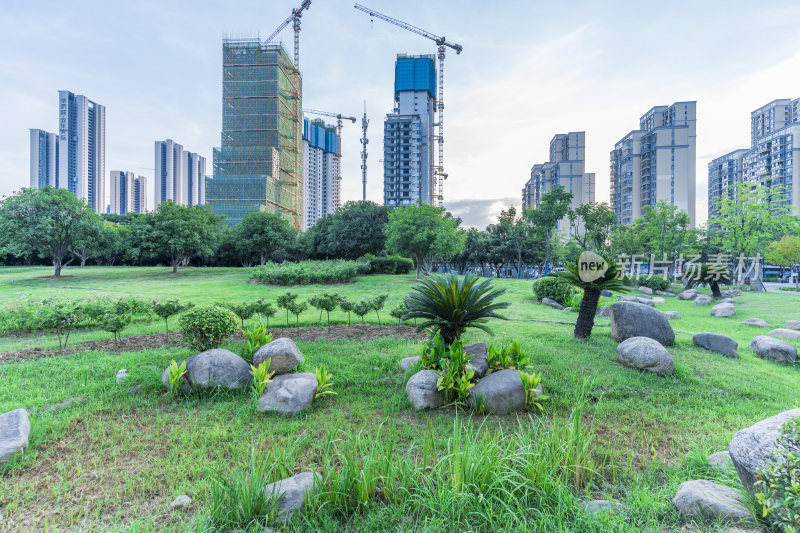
x=258 y=166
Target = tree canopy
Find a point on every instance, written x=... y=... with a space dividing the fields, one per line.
x=356 y=229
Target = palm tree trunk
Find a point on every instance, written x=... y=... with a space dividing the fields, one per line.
x=585 y=323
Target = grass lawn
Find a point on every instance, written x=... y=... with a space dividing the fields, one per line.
x=111 y=459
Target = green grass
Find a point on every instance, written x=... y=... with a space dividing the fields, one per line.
x=116 y=460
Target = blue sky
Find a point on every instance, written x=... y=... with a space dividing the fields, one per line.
x=528 y=70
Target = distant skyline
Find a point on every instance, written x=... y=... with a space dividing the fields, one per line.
x=529 y=70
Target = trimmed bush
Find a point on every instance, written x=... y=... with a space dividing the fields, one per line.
x=393 y=264
x=307 y=272
x=554 y=288
x=778 y=483
x=208 y=326
x=657 y=283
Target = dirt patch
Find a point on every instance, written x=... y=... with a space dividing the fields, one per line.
x=137 y=343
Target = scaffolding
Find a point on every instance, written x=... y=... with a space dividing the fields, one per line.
x=258 y=166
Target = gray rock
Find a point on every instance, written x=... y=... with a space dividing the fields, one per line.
x=716 y=342
x=665 y=293
x=283 y=354
x=686 y=295
x=552 y=303
x=502 y=392
x=607 y=293
x=595 y=507
x=14 y=431
x=702 y=299
x=752 y=447
x=671 y=315
x=731 y=293
x=122 y=375
x=774 y=349
x=629 y=319
x=291 y=492
x=213 y=368
x=408 y=362
x=728 y=301
x=756 y=322
x=567 y=309
x=181 y=502
x=646 y=301
x=705 y=500
x=721 y=460
x=646 y=290
x=421 y=390
x=478 y=363
x=792 y=324
x=645 y=353
x=693 y=291
x=627 y=298
x=659 y=300
x=288 y=393
x=603 y=311
x=789 y=334
x=723 y=310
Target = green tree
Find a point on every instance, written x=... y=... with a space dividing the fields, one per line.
x=591 y=225
x=665 y=231
x=259 y=235
x=178 y=233
x=517 y=231
x=610 y=280
x=628 y=239
x=356 y=229
x=786 y=252
x=46 y=221
x=112 y=243
x=552 y=207
x=424 y=233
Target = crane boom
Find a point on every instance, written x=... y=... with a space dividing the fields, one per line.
x=406 y=26
x=293 y=18
x=339 y=118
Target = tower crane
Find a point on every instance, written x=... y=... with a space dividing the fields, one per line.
x=439 y=175
x=339 y=118
x=364 y=142
x=294 y=18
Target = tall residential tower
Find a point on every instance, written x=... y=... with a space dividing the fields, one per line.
x=179 y=174
x=320 y=144
x=44 y=159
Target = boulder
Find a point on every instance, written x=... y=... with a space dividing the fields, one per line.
x=705 y=500
x=213 y=368
x=792 y=324
x=603 y=311
x=645 y=353
x=181 y=502
x=607 y=293
x=646 y=301
x=552 y=303
x=731 y=293
x=595 y=507
x=408 y=362
x=671 y=315
x=288 y=393
x=665 y=293
x=291 y=492
x=14 y=431
x=777 y=350
x=501 y=392
x=283 y=354
x=421 y=390
x=752 y=447
x=692 y=291
x=686 y=295
x=646 y=290
x=756 y=322
x=629 y=319
x=478 y=363
x=658 y=300
x=723 y=310
x=122 y=376
x=728 y=301
x=783 y=333
x=627 y=298
x=702 y=299
x=721 y=460
x=716 y=342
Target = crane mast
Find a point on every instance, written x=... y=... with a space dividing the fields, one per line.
x=294 y=19
x=338 y=178
x=439 y=174
x=364 y=142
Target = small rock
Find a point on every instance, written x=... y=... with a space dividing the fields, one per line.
x=213 y=368
x=122 y=375
x=702 y=299
x=478 y=363
x=288 y=393
x=645 y=353
x=181 y=502
x=706 y=500
x=629 y=319
x=665 y=293
x=789 y=334
x=595 y=507
x=501 y=392
x=686 y=295
x=692 y=291
x=421 y=390
x=723 y=310
x=792 y=324
x=604 y=310
x=716 y=342
x=408 y=362
x=658 y=300
x=728 y=301
x=731 y=293
x=15 y=427
x=671 y=315
x=721 y=460
x=646 y=290
x=283 y=354
x=646 y=301
x=567 y=309
x=552 y=303
x=607 y=293
x=756 y=322
x=774 y=349
x=291 y=492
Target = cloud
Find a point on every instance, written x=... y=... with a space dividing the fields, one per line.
x=479 y=213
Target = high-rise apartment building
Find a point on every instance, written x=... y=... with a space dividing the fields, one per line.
x=566 y=169
x=656 y=162
x=44 y=159
x=82 y=148
x=140 y=194
x=179 y=174
x=773 y=159
x=258 y=166
x=320 y=172
x=408 y=136
x=194 y=179
x=128 y=193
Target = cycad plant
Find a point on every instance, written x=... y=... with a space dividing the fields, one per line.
x=708 y=274
x=450 y=304
x=610 y=280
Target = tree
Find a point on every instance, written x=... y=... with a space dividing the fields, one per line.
x=628 y=239
x=356 y=229
x=516 y=231
x=423 y=233
x=552 y=207
x=786 y=252
x=665 y=231
x=112 y=243
x=177 y=232
x=86 y=235
x=591 y=225
x=261 y=234
x=46 y=221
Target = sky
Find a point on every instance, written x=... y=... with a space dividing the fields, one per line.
x=529 y=70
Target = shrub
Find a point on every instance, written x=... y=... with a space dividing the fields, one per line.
x=554 y=288
x=399 y=312
x=456 y=378
x=377 y=304
x=657 y=283
x=451 y=304
x=393 y=264
x=60 y=317
x=286 y=301
x=779 y=482
x=169 y=308
x=207 y=326
x=114 y=323
x=325 y=302
x=243 y=310
x=362 y=308
x=347 y=306
x=264 y=309
x=307 y=272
